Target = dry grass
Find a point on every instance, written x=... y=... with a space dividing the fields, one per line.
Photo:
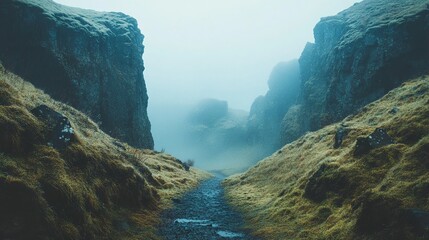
x=97 y=188
x=310 y=190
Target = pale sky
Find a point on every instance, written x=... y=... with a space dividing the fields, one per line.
x=223 y=49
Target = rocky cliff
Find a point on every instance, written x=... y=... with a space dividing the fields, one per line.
x=358 y=56
x=90 y=60
x=267 y=112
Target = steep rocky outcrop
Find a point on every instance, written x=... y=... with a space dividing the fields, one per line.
x=358 y=56
x=267 y=112
x=90 y=60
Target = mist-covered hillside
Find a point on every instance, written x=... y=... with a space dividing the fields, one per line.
x=358 y=56
x=365 y=177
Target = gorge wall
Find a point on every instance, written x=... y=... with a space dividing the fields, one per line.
x=358 y=56
x=90 y=60
x=267 y=112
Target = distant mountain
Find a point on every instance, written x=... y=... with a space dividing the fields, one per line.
x=90 y=60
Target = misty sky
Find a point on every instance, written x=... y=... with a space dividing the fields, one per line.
x=221 y=49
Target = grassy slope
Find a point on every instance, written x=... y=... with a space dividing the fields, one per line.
x=364 y=197
x=97 y=188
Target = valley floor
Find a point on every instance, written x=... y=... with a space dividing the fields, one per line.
x=203 y=214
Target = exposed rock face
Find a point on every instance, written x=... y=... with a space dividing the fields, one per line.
x=268 y=111
x=91 y=60
x=358 y=56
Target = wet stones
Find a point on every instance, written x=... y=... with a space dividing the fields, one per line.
x=378 y=138
x=59 y=130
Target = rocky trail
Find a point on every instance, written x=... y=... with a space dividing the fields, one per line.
x=203 y=214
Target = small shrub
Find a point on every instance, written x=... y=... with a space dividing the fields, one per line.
x=188 y=163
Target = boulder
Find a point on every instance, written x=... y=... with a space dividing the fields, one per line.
x=378 y=138
x=59 y=131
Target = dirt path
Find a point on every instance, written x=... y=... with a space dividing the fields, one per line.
x=203 y=214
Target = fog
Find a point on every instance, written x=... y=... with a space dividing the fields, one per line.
x=220 y=49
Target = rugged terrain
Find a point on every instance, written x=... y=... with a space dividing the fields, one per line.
x=61 y=177
x=365 y=176
x=338 y=183
x=87 y=59
x=358 y=56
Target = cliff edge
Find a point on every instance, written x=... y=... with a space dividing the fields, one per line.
x=90 y=60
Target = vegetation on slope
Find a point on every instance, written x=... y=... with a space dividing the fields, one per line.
x=95 y=188
x=311 y=190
